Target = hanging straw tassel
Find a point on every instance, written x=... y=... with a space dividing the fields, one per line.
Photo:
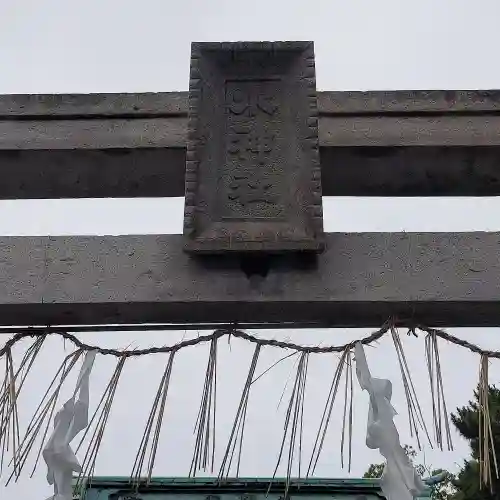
x=439 y=410
x=327 y=413
x=9 y=393
x=486 y=442
x=9 y=420
x=101 y=414
x=15 y=452
x=415 y=415
x=204 y=450
x=237 y=432
x=155 y=415
x=295 y=417
x=43 y=414
x=348 y=414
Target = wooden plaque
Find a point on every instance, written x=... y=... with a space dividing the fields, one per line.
x=253 y=179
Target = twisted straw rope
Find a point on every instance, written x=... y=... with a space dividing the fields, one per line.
x=369 y=339
x=295 y=404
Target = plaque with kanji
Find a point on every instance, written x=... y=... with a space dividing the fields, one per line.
x=253 y=178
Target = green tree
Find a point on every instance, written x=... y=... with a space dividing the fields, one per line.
x=443 y=490
x=466 y=421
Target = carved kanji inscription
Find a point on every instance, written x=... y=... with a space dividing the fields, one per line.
x=251 y=186
x=252 y=173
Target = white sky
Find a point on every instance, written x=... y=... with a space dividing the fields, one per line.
x=124 y=46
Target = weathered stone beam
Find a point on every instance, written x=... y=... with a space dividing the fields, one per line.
x=170 y=103
x=402 y=143
x=150 y=172
x=53 y=106
x=438 y=279
x=171 y=132
x=101 y=133
x=410 y=101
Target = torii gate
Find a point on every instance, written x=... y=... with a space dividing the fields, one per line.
x=252 y=175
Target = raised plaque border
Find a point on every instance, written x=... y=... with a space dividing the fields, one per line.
x=194 y=145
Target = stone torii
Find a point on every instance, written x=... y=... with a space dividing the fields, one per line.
x=253 y=149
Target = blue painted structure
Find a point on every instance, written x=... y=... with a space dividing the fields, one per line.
x=119 y=488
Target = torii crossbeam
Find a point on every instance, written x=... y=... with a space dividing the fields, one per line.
x=403 y=143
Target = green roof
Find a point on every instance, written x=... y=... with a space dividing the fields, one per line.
x=119 y=488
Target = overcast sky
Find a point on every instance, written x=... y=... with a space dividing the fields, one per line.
x=124 y=46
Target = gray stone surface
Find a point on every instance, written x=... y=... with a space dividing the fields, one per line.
x=161 y=103
x=115 y=145
x=387 y=130
x=93 y=134
x=171 y=131
x=44 y=106
x=88 y=173
x=349 y=171
x=410 y=101
x=100 y=145
x=253 y=177
x=360 y=280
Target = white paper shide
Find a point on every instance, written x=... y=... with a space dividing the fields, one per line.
x=68 y=422
x=400 y=480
